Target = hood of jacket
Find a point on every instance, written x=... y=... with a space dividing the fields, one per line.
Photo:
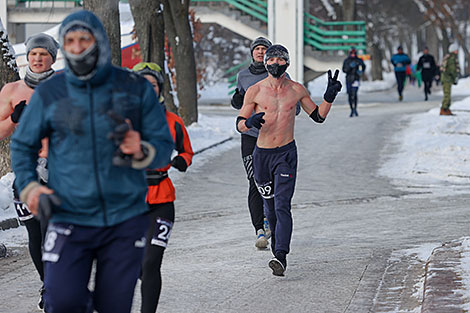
x=89 y=20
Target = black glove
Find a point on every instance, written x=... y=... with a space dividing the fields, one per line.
x=334 y=86
x=179 y=163
x=237 y=100
x=255 y=121
x=15 y=116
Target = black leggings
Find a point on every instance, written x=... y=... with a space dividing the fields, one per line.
x=352 y=97
x=400 y=76
x=151 y=275
x=255 y=201
x=36 y=235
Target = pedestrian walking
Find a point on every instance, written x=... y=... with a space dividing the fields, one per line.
x=275 y=156
x=400 y=62
x=161 y=195
x=104 y=130
x=41 y=53
x=450 y=70
x=353 y=66
x=427 y=66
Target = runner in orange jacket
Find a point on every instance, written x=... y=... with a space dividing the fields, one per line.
x=160 y=197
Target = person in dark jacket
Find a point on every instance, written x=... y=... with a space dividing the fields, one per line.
x=104 y=130
x=400 y=61
x=353 y=66
x=161 y=196
x=427 y=66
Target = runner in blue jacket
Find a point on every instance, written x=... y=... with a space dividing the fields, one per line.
x=102 y=201
x=400 y=60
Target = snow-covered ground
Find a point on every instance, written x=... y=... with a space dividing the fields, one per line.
x=434 y=150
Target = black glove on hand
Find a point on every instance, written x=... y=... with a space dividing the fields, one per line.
x=334 y=86
x=255 y=121
x=179 y=163
x=237 y=100
x=15 y=116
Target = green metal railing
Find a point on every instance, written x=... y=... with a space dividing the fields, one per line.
x=318 y=34
x=255 y=8
x=77 y=3
x=333 y=36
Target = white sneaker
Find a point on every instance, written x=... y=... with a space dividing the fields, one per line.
x=267 y=230
x=261 y=241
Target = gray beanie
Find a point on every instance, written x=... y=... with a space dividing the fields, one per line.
x=42 y=41
x=260 y=41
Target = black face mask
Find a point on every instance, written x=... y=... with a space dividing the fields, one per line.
x=84 y=63
x=276 y=70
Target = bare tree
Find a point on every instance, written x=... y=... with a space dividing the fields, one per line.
x=150 y=29
x=8 y=73
x=108 y=12
x=178 y=31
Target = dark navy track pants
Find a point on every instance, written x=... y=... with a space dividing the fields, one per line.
x=275 y=173
x=69 y=252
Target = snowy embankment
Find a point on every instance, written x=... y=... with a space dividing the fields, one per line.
x=433 y=150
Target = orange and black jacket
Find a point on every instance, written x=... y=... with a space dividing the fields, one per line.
x=160 y=187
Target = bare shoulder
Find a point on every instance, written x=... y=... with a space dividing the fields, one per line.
x=298 y=87
x=11 y=88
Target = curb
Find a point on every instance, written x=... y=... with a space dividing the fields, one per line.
x=443 y=285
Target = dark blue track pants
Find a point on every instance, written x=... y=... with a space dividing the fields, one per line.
x=69 y=252
x=275 y=173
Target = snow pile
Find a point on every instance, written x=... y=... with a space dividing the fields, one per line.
x=433 y=152
x=461 y=89
x=7 y=208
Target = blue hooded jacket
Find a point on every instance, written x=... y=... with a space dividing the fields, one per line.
x=400 y=61
x=72 y=113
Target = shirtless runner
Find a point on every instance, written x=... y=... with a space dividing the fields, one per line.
x=275 y=156
x=41 y=52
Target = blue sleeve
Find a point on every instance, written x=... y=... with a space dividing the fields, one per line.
x=26 y=142
x=155 y=129
x=407 y=59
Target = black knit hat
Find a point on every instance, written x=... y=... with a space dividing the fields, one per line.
x=277 y=51
x=260 y=41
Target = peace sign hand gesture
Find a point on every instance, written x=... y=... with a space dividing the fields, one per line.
x=334 y=86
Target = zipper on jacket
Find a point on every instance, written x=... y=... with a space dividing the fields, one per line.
x=95 y=161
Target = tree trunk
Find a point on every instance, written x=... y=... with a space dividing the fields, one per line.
x=176 y=16
x=432 y=42
x=349 y=10
x=108 y=12
x=8 y=73
x=376 y=62
x=150 y=28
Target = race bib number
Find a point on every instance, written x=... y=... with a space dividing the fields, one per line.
x=399 y=64
x=426 y=65
x=162 y=232
x=54 y=242
x=266 y=190
x=355 y=83
x=22 y=210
